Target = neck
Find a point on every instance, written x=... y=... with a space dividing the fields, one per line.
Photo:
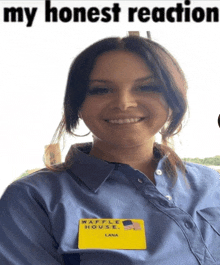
x=138 y=157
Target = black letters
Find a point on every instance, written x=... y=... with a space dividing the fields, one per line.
x=198 y=14
x=17 y=14
x=169 y=16
x=116 y=9
x=215 y=12
x=105 y=13
x=49 y=10
x=30 y=16
x=91 y=12
x=158 y=11
x=76 y=11
x=131 y=12
x=143 y=11
x=65 y=14
x=181 y=12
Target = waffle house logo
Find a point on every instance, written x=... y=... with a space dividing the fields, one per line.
x=128 y=225
x=100 y=223
x=112 y=234
x=110 y=224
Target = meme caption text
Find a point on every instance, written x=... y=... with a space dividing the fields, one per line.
x=178 y=12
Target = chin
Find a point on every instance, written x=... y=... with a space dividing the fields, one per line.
x=127 y=143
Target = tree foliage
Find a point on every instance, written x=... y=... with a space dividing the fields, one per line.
x=208 y=161
x=23 y=175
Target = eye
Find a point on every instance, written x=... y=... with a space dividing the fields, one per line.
x=150 y=88
x=98 y=91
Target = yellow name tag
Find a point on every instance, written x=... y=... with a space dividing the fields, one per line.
x=112 y=234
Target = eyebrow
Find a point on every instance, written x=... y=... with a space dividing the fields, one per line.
x=108 y=81
x=144 y=78
x=100 y=80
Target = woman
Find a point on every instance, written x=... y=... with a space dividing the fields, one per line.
x=126 y=91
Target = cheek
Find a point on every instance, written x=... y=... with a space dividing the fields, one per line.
x=163 y=107
x=163 y=102
x=90 y=110
x=156 y=103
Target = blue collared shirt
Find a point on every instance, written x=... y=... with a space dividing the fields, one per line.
x=40 y=214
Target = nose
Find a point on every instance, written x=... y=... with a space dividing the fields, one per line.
x=125 y=99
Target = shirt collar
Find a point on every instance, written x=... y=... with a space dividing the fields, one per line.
x=91 y=170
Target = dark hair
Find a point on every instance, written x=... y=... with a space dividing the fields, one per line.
x=164 y=67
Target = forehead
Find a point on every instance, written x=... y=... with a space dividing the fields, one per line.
x=119 y=65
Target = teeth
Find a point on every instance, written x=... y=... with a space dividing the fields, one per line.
x=121 y=121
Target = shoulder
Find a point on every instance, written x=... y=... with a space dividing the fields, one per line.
x=41 y=178
x=198 y=168
x=201 y=174
x=40 y=185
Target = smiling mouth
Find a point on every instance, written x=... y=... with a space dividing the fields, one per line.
x=125 y=121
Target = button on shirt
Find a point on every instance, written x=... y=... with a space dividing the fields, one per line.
x=40 y=214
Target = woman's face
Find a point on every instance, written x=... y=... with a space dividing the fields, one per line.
x=124 y=105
